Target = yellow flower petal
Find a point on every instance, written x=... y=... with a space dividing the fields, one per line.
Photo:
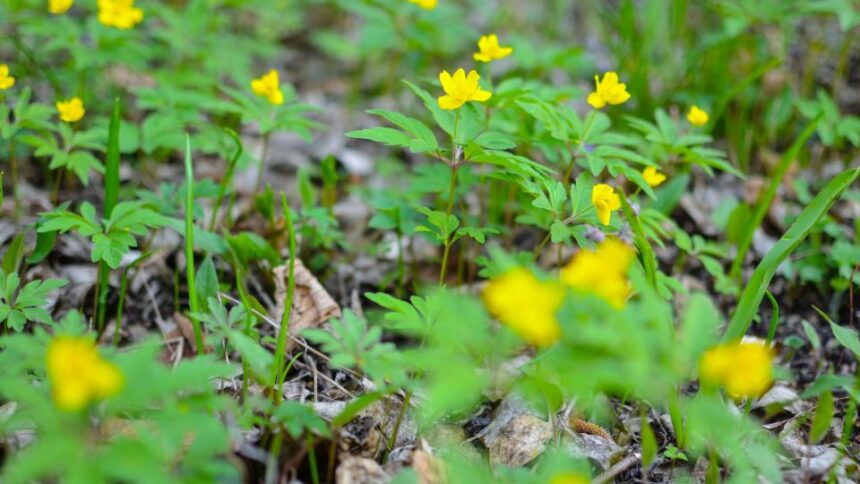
x=697 y=117
x=602 y=271
x=460 y=89
x=652 y=176
x=71 y=110
x=450 y=103
x=526 y=305
x=744 y=369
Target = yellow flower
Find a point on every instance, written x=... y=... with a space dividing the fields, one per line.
x=602 y=272
x=71 y=110
x=569 y=478
x=78 y=374
x=606 y=201
x=6 y=81
x=269 y=87
x=425 y=4
x=490 y=50
x=526 y=305
x=460 y=89
x=57 y=7
x=608 y=91
x=652 y=176
x=697 y=117
x=121 y=14
x=744 y=369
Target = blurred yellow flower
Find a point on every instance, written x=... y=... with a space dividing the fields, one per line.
x=78 y=374
x=490 y=50
x=608 y=91
x=652 y=176
x=526 y=305
x=121 y=14
x=71 y=110
x=744 y=369
x=460 y=89
x=6 y=81
x=697 y=117
x=602 y=272
x=425 y=4
x=269 y=87
x=57 y=7
x=569 y=478
x=606 y=201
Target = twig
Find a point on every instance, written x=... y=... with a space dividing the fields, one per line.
x=618 y=468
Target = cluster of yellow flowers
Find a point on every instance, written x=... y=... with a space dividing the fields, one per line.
x=121 y=14
x=6 y=80
x=744 y=368
x=462 y=88
x=528 y=305
x=269 y=87
x=78 y=374
x=71 y=110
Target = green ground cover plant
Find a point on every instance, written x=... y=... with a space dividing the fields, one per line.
x=429 y=241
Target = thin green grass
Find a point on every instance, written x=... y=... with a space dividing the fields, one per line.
x=190 y=277
x=757 y=286
x=111 y=186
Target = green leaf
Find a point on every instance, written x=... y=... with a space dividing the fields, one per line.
x=755 y=289
x=14 y=254
x=822 y=418
x=207 y=281
x=847 y=337
x=649 y=442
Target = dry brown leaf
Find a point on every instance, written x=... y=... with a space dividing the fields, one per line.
x=187 y=330
x=312 y=304
x=358 y=470
x=430 y=470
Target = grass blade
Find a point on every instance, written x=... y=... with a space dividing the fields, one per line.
x=111 y=185
x=757 y=285
x=189 y=248
x=763 y=205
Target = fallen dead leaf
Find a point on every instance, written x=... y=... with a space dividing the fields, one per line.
x=312 y=304
x=358 y=470
x=430 y=470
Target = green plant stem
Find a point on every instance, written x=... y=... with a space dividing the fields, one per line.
x=452 y=192
x=13 y=167
x=647 y=253
x=312 y=459
x=190 y=276
x=447 y=249
x=401 y=263
x=277 y=377
x=677 y=418
x=123 y=289
x=111 y=187
x=228 y=178
x=263 y=156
